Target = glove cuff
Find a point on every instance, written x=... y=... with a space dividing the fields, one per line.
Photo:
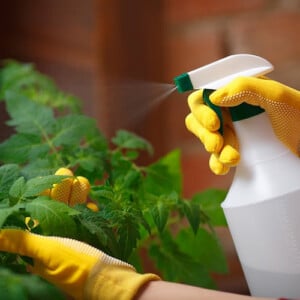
x=115 y=281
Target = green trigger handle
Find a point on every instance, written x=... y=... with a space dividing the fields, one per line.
x=237 y=113
x=216 y=109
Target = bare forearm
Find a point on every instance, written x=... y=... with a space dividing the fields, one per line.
x=162 y=290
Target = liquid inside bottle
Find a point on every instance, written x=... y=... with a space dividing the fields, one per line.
x=262 y=209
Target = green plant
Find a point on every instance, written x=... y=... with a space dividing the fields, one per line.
x=141 y=208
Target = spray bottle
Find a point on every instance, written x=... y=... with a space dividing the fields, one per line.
x=262 y=206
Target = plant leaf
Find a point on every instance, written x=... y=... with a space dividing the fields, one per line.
x=37 y=185
x=5 y=213
x=178 y=266
x=128 y=140
x=192 y=212
x=128 y=237
x=96 y=225
x=160 y=214
x=164 y=176
x=8 y=174
x=20 y=147
x=210 y=203
x=27 y=116
x=54 y=217
x=17 y=190
x=204 y=248
x=71 y=129
x=15 y=286
x=41 y=167
x=25 y=79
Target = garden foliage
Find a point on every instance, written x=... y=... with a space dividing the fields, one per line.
x=142 y=213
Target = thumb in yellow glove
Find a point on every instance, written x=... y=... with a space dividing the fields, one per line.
x=281 y=103
x=78 y=269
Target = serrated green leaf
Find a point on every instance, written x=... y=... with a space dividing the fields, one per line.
x=19 y=148
x=128 y=140
x=125 y=221
x=8 y=174
x=37 y=185
x=128 y=237
x=120 y=166
x=178 y=266
x=89 y=163
x=164 y=176
x=27 y=116
x=160 y=215
x=96 y=140
x=71 y=129
x=25 y=79
x=204 y=248
x=103 y=192
x=54 y=217
x=95 y=229
x=131 y=178
x=192 y=212
x=16 y=76
x=41 y=167
x=17 y=190
x=210 y=203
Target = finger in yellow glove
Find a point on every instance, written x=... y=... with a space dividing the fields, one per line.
x=72 y=190
x=281 y=103
x=205 y=124
x=81 y=271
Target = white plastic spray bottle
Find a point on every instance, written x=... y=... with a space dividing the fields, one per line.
x=262 y=206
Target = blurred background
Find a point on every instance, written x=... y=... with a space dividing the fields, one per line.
x=120 y=56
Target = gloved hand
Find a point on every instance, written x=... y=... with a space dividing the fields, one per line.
x=72 y=190
x=205 y=123
x=281 y=103
x=78 y=269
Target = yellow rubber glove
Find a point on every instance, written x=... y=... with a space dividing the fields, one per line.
x=281 y=103
x=205 y=123
x=79 y=270
x=72 y=190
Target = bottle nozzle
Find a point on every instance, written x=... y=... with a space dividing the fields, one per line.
x=183 y=83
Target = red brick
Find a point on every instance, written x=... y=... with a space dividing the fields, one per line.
x=274 y=36
x=188 y=49
x=197 y=175
x=189 y=10
x=185 y=50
